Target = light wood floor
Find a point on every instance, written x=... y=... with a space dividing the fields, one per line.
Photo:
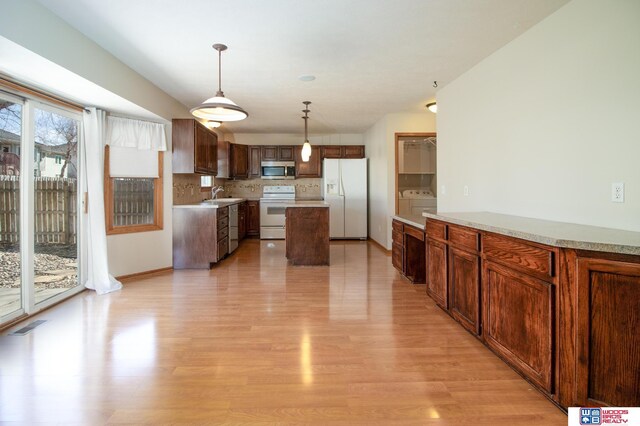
x=255 y=340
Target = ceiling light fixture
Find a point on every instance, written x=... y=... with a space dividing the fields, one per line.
x=306 y=147
x=213 y=124
x=433 y=107
x=219 y=108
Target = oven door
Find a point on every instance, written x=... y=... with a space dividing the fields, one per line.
x=272 y=214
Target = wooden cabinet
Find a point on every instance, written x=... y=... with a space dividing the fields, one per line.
x=255 y=157
x=253 y=218
x=199 y=236
x=195 y=148
x=224 y=154
x=277 y=153
x=518 y=321
x=407 y=253
x=242 y=220
x=436 y=260
x=608 y=319
x=239 y=163
x=342 y=151
x=464 y=288
x=311 y=168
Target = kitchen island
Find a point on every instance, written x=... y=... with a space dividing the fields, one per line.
x=307 y=233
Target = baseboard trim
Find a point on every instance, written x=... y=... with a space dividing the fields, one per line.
x=144 y=274
x=380 y=246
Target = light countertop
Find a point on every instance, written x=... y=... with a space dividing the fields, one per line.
x=307 y=203
x=411 y=219
x=558 y=234
x=212 y=204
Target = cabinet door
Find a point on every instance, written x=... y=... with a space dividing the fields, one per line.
x=285 y=153
x=270 y=153
x=331 y=151
x=464 y=288
x=518 y=321
x=242 y=220
x=353 y=151
x=239 y=161
x=253 y=217
x=254 y=162
x=212 y=153
x=311 y=168
x=436 y=253
x=397 y=256
x=608 y=358
x=201 y=146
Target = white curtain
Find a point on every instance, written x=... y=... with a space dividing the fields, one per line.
x=129 y=133
x=98 y=277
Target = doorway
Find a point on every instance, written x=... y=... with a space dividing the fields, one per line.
x=416 y=173
x=40 y=232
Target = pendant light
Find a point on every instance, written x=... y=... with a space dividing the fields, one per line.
x=433 y=107
x=306 y=147
x=219 y=108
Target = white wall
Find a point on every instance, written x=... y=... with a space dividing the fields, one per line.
x=542 y=127
x=53 y=39
x=380 y=149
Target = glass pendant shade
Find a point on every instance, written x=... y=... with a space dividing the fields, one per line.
x=306 y=151
x=219 y=108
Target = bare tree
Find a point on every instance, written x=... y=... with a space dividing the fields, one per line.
x=58 y=131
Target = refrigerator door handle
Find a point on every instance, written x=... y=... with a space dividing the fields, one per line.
x=341 y=183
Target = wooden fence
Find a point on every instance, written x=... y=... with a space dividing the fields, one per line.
x=55 y=215
x=132 y=201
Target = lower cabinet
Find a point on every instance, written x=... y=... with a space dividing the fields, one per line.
x=518 y=321
x=253 y=218
x=200 y=236
x=567 y=320
x=608 y=340
x=437 y=266
x=464 y=288
x=407 y=254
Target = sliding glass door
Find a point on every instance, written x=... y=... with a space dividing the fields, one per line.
x=40 y=232
x=11 y=291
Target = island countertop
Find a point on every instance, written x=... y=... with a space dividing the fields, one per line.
x=558 y=234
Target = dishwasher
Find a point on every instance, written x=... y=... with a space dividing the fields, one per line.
x=233 y=227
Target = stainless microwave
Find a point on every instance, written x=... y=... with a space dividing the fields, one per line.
x=278 y=170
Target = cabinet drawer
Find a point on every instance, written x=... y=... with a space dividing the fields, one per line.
x=414 y=232
x=223 y=248
x=464 y=237
x=397 y=237
x=223 y=233
x=538 y=261
x=435 y=229
x=396 y=256
x=223 y=212
x=223 y=222
x=396 y=225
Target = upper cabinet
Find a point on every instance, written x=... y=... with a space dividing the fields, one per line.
x=311 y=168
x=224 y=148
x=255 y=157
x=195 y=148
x=239 y=163
x=277 y=153
x=342 y=151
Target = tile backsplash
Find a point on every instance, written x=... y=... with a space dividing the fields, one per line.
x=186 y=188
x=252 y=188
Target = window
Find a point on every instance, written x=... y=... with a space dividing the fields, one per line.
x=206 y=182
x=58 y=159
x=132 y=204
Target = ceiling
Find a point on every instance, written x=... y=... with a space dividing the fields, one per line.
x=370 y=57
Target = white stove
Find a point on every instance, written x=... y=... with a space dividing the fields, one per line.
x=272 y=210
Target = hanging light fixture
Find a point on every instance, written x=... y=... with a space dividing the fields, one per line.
x=219 y=108
x=213 y=124
x=433 y=107
x=306 y=147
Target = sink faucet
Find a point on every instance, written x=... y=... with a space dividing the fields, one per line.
x=215 y=190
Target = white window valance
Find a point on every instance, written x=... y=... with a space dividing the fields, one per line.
x=142 y=135
x=134 y=146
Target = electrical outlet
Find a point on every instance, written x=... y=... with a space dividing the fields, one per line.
x=443 y=189
x=465 y=191
x=617 y=192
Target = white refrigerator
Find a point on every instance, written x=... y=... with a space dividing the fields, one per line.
x=344 y=187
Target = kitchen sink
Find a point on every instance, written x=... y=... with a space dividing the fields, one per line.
x=222 y=201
